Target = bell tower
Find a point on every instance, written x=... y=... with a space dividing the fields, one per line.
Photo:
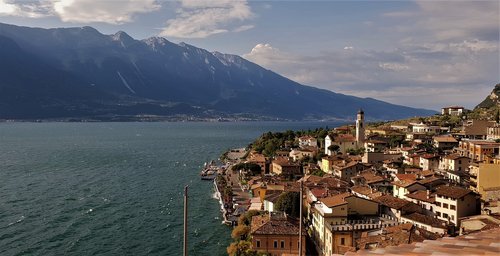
x=360 y=128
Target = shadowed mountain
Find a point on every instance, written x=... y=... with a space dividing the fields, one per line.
x=79 y=72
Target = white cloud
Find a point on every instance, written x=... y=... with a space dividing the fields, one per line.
x=113 y=12
x=28 y=9
x=460 y=19
x=447 y=53
x=393 y=66
x=440 y=73
x=200 y=19
x=85 y=11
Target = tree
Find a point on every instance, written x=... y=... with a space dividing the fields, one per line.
x=246 y=218
x=241 y=248
x=334 y=148
x=240 y=232
x=318 y=173
x=289 y=202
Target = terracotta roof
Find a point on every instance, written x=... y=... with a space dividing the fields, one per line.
x=454 y=156
x=412 y=170
x=370 y=177
x=274 y=225
x=345 y=138
x=311 y=179
x=428 y=220
x=430 y=180
x=319 y=192
x=426 y=173
x=392 y=202
x=479 y=223
x=285 y=162
x=399 y=228
x=306 y=137
x=452 y=191
x=335 y=200
x=376 y=141
x=407 y=177
x=335 y=158
x=333 y=183
x=392 y=236
x=421 y=195
x=364 y=190
x=481 y=243
x=404 y=183
x=448 y=139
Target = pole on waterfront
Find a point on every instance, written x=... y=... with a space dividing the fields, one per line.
x=300 y=219
x=185 y=219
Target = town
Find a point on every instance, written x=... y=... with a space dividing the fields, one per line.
x=391 y=187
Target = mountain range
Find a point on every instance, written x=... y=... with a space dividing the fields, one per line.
x=82 y=73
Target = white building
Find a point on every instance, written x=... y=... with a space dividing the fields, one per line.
x=453 y=203
x=308 y=141
x=452 y=110
x=455 y=163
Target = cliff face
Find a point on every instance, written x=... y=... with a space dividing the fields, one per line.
x=492 y=101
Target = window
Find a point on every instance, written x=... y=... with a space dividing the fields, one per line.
x=452 y=207
x=452 y=217
x=282 y=244
x=438 y=214
x=445 y=205
x=438 y=204
x=445 y=215
x=275 y=244
x=342 y=241
x=258 y=243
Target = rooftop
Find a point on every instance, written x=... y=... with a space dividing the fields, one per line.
x=428 y=220
x=391 y=201
x=422 y=195
x=448 y=139
x=274 y=225
x=335 y=200
x=452 y=191
x=481 y=243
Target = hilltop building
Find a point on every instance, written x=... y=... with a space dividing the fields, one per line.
x=452 y=110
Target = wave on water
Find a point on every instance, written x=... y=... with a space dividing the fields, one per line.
x=18 y=221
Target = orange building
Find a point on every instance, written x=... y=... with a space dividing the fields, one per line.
x=277 y=235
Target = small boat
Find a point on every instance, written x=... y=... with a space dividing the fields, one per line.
x=209 y=171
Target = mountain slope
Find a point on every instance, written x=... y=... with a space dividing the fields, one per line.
x=116 y=74
x=492 y=100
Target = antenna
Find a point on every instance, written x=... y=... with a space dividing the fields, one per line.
x=185 y=219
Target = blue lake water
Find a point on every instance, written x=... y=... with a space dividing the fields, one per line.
x=115 y=188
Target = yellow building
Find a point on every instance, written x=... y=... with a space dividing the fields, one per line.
x=328 y=162
x=330 y=214
x=486 y=177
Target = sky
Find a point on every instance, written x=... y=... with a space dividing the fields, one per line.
x=418 y=53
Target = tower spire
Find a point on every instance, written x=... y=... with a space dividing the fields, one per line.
x=360 y=128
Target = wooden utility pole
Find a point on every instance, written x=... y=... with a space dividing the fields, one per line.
x=185 y=220
x=300 y=219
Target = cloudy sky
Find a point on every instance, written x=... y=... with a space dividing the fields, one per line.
x=422 y=53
